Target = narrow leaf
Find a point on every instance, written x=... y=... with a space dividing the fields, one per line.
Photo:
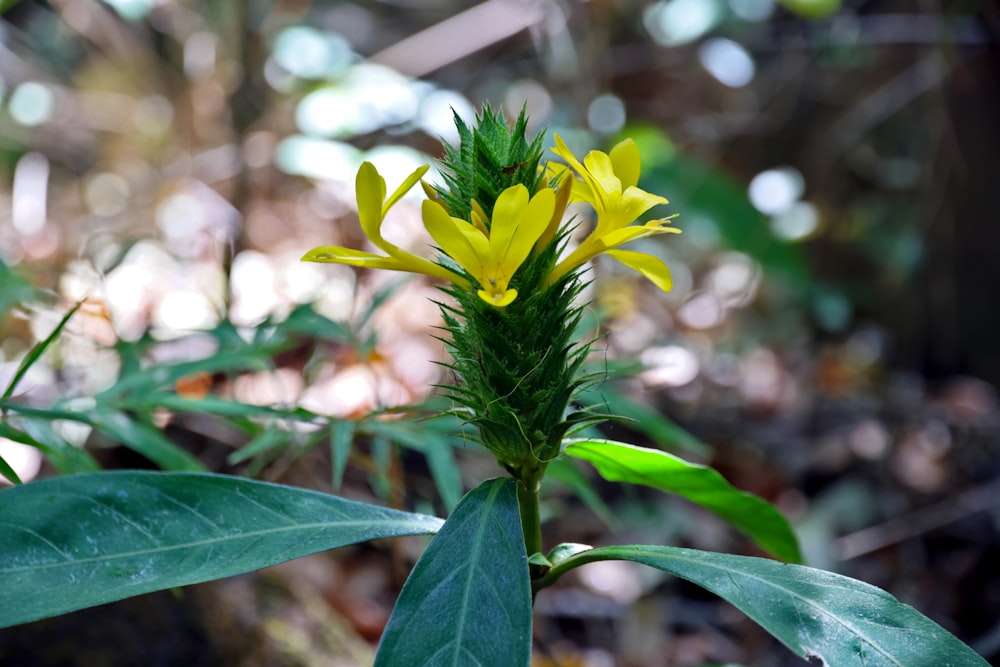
x=9 y=473
x=826 y=618
x=661 y=430
x=566 y=472
x=39 y=432
x=750 y=514
x=436 y=445
x=468 y=600
x=82 y=540
x=272 y=438
x=39 y=349
x=144 y=439
x=166 y=375
x=341 y=442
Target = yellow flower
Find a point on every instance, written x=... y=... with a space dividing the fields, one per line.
x=372 y=209
x=608 y=182
x=492 y=253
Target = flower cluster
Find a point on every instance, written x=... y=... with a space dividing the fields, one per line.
x=505 y=258
x=485 y=252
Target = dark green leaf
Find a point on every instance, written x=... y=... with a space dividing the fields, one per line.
x=468 y=600
x=9 y=473
x=750 y=514
x=81 y=540
x=824 y=617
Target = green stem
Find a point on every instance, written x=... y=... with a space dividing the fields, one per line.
x=528 y=489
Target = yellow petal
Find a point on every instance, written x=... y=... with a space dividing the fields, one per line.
x=339 y=255
x=479 y=218
x=370 y=192
x=404 y=187
x=651 y=267
x=517 y=225
x=627 y=163
x=600 y=168
x=458 y=239
x=563 y=191
x=592 y=193
x=622 y=236
x=498 y=299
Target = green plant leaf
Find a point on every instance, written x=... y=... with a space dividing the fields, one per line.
x=269 y=440
x=341 y=443
x=566 y=472
x=144 y=439
x=9 y=473
x=644 y=419
x=38 y=350
x=468 y=599
x=750 y=514
x=166 y=375
x=823 y=617
x=82 y=540
x=38 y=431
x=434 y=444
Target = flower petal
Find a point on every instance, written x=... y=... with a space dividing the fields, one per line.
x=339 y=255
x=458 y=239
x=517 y=224
x=564 y=188
x=651 y=267
x=404 y=187
x=592 y=192
x=626 y=162
x=370 y=192
x=603 y=172
x=498 y=299
x=618 y=237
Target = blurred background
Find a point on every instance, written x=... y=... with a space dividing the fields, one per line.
x=832 y=342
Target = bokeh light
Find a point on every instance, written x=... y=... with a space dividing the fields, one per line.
x=31 y=104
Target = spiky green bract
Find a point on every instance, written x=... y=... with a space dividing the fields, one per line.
x=517 y=368
x=488 y=160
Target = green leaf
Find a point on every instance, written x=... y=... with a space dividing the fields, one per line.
x=644 y=419
x=9 y=473
x=750 y=514
x=215 y=405
x=468 y=599
x=434 y=444
x=271 y=439
x=38 y=350
x=144 y=439
x=341 y=443
x=38 y=431
x=567 y=473
x=166 y=375
x=823 y=617
x=82 y=540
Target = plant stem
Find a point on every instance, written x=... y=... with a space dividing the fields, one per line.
x=528 y=488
